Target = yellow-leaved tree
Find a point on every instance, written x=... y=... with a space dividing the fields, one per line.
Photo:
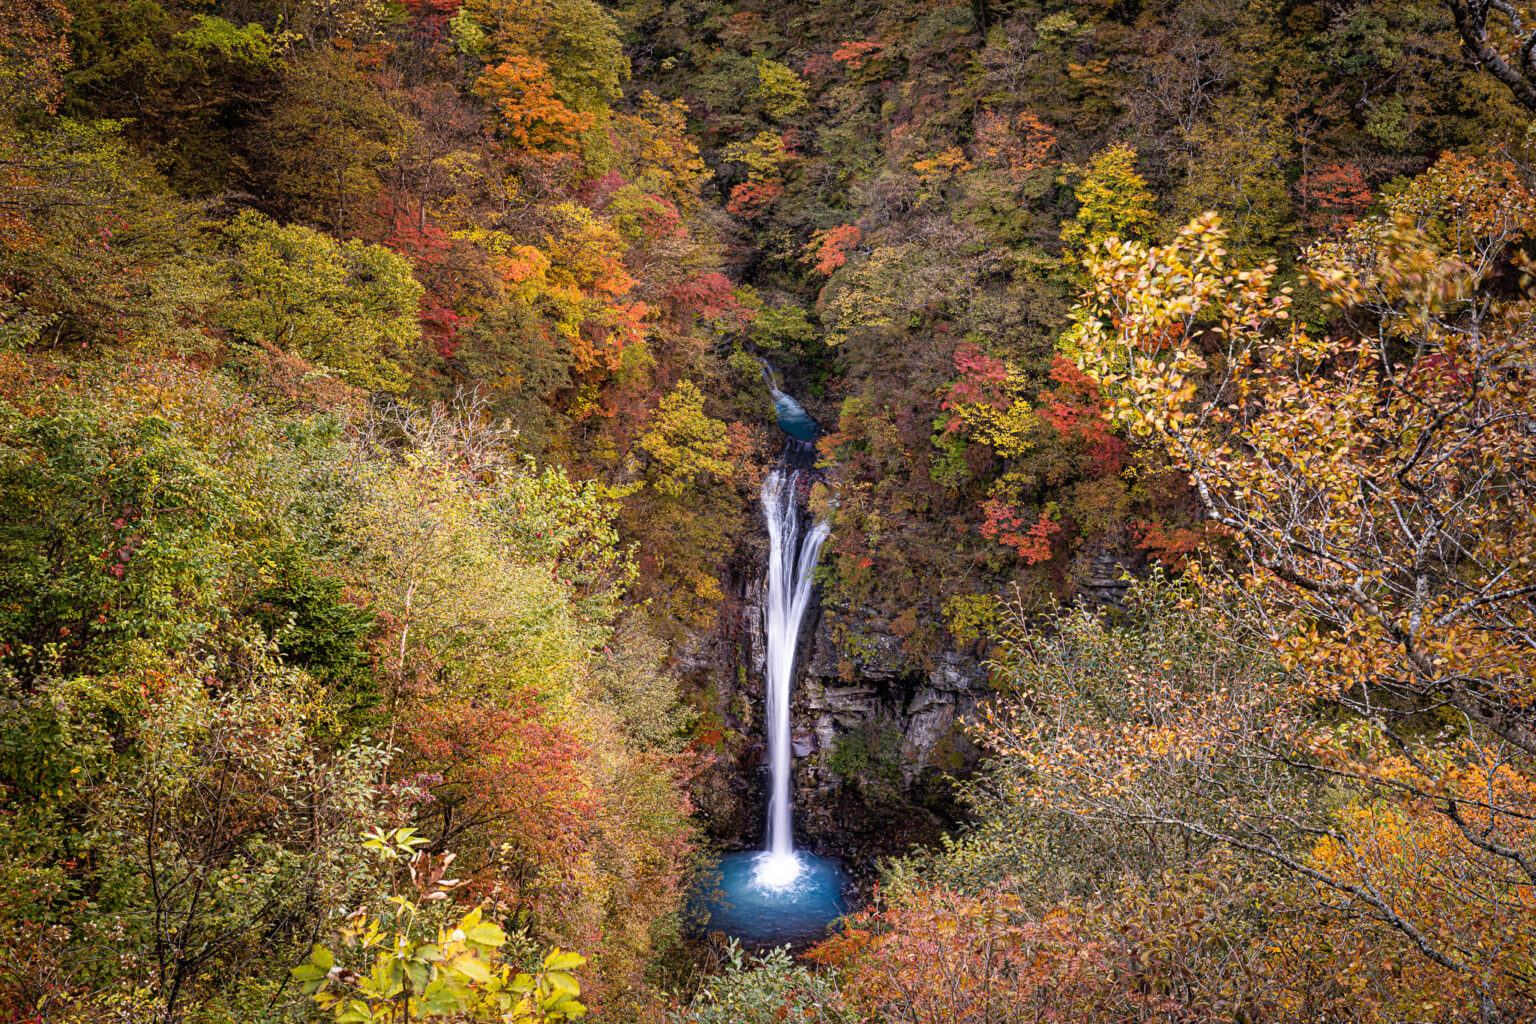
x=399 y=967
x=1378 y=485
x=1113 y=201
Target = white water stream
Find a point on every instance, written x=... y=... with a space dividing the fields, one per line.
x=791 y=559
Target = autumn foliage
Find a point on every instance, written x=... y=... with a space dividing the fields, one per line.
x=529 y=113
x=1376 y=503
x=382 y=417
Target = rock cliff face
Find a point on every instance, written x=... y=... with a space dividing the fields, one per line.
x=877 y=735
x=873 y=735
x=880 y=737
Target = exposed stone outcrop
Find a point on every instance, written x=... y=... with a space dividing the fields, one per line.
x=903 y=717
x=903 y=724
x=1098 y=575
x=876 y=734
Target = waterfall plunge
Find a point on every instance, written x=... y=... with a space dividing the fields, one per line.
x=791 y=559
x=778 y=896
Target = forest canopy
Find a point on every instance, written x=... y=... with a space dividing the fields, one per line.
x=384 y=398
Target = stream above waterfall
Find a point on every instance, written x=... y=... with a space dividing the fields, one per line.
x=793 y=419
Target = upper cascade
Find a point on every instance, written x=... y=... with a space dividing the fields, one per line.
x=801 y=428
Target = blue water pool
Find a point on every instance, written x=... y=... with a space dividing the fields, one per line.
x=768 y=900
x=793 y=419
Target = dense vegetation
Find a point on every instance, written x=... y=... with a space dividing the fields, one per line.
x=378 y=408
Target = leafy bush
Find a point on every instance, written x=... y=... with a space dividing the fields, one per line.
x=871 y=753
x=347 y=306
x=769 y=989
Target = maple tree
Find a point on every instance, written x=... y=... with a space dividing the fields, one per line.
x=828 y=249
x=1006 y=526
x=1336 y=191
x=1021 y=143
x=856 y=52
x=530 y=113
x=575 y=40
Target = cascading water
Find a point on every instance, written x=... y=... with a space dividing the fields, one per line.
x=802 y=430
x=791 y=559
x=781 y=895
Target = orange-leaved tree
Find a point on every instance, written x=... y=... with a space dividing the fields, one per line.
x=532 y=116
x=1164 y=948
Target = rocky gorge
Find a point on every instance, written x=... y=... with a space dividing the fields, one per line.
x=877 y=735
x=873 y=737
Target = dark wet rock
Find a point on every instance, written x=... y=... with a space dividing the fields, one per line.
x=855 y=685
x=1099 y=575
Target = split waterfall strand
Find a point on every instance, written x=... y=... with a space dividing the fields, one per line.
x=791 y=560
x=779 y=896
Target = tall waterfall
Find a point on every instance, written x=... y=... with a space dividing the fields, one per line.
x=791 y=559
x=777 y=895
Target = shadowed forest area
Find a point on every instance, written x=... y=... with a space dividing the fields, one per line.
x=383 y=413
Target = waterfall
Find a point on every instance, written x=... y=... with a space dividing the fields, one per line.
x=778 y=895
x=791 y=559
